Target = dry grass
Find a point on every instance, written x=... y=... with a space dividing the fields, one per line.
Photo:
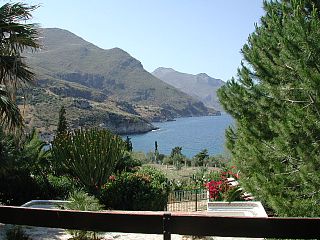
x=184 y=173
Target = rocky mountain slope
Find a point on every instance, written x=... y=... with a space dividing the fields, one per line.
x=200 y=86
x=98 y=87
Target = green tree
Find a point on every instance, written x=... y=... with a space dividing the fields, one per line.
x=129 y=147
x=62 y=122
x=16 y=36
x=176 y=151
x=176 y=157
x=201 y=158
x=88 y=155
x=275 y=102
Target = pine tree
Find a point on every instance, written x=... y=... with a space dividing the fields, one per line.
x=129 y=147
x=62 y=123
x=275 y=101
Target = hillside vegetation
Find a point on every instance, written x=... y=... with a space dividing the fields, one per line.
x=95 y=84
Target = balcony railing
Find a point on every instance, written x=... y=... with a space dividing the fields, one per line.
x=166 y=223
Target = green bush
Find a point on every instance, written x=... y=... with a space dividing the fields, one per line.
x=127 y=163
x=18 y=187
x=61 y=187
x=22 y=164
x=145 y=189
x=82 y=201
x=88 y=155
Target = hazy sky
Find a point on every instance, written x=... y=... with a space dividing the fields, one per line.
x=191 y=36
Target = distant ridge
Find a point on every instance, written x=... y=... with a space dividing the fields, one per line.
x=100 y=87
x=200 y=86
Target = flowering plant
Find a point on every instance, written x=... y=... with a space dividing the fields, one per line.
x=216 y=189
x=221 y=189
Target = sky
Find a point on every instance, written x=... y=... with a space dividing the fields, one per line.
x=191 y=36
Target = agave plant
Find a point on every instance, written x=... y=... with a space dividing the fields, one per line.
x=90 y=155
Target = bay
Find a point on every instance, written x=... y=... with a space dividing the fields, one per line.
x=193 y=134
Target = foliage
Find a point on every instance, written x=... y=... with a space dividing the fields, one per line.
x=128 y=144
x=219 y=161
x=18 y=187
x=128 y=163
x=62 y=122
x=8 y=151
x=200 y=177
x=88 y=155
x=22 y=161
x=16 y=36
x=176 y=157
x=82 y=201
x=33 y=156
x=157 y=176
x=201 y=158
x=275 y=104
x=60 y=186
x=220 y=189
x=9 y=112
x=16 y=233
x=146 y=189
x=176 y=151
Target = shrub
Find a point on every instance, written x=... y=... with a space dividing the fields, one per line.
x=127 y=163
x=82 y=201
x=61 y=187
x=18 y=187
x=220 y=190
x=146 y=189
x=88 y=155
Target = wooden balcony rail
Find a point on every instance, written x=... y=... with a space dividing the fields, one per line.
x=166 y=223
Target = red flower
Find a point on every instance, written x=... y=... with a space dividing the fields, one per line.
x=112 y=178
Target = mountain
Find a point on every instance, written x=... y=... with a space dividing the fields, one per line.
x=200 y=86
x=98 y=87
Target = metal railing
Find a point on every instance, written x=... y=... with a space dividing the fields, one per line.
x=166 y=223
x=187 y=200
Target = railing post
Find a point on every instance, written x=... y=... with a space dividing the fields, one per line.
x=165 y=226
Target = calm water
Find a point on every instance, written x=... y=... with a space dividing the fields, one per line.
x=192 y=134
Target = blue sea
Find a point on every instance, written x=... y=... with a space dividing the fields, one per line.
x=193 y=134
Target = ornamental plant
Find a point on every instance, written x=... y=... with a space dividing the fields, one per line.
x=90 y=156
x=220 y=189
x=79 y=200
x=144 y=190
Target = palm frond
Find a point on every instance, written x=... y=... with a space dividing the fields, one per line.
x=10 y=115
x=14 y=72
x=16 y=36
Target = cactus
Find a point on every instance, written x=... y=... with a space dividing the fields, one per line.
x=89 y=155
